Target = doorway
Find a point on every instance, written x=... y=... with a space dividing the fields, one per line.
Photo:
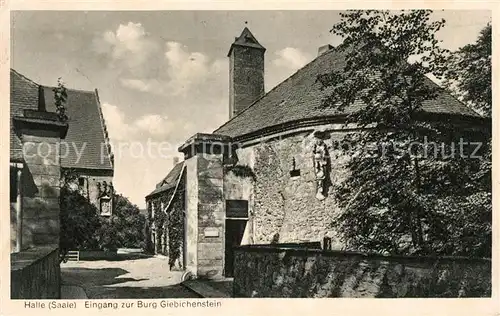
x=235 y=228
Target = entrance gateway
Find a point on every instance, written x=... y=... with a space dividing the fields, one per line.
x=236 y=222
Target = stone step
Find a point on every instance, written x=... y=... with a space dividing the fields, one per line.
x=204 y=289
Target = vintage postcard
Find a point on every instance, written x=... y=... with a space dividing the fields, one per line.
x=175 y=159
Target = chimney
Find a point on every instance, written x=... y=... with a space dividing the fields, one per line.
x=175 y=161
x=246 y=72
x=323 y=49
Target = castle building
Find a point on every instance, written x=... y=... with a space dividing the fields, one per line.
x=262 y=176
x=42 y=149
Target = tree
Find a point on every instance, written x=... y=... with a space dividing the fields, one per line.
x=124 y=228
x=60 y=98
x=79 y=218
x=468 y=73
x=468 y=76
x=401 y=191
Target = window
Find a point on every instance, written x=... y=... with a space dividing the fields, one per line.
x=294 y=172
x=81 y=181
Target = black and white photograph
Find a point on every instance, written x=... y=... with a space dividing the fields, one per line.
x=217 y=154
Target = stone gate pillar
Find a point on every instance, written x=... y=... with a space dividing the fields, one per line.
x=40 y=133
x=204 y=250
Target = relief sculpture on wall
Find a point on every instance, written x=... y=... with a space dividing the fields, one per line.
x=321 y=166
x=105 y=198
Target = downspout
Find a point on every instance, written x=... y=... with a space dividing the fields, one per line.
x=19 y=208
x=165 y=209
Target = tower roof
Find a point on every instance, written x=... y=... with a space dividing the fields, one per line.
x=246 y=39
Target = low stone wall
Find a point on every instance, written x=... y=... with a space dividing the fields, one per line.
x=301 y=245
x=283 y=272
x=91 y=255
x=35 y=274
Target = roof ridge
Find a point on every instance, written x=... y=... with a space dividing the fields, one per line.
x=104 y=130
x=276 y=86
x=24 y=77
x=449 y=93
x=166 y=176
x=70 y=89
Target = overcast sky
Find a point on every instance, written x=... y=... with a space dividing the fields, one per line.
x=163 y=75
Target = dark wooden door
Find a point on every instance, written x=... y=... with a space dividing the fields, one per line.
x=235 y=229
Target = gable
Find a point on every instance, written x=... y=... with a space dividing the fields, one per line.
x=86 y=129
x=170 y=181
x=86 y=125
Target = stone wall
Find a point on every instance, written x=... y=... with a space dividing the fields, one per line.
x=35 y=274
x=13 y=227
x=210 y=216
x=191 y=253
x=280 y=272
x=242 y=188
x=246 y=77
x=91 y=178
x=286 y=205
x=40 y=187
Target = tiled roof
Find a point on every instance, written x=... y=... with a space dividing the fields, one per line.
x=86 y=128
x=299 y=98
x=86 y=124
x=169 y=181
x=23 y=96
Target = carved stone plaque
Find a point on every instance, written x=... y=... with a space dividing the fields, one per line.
x=105 y=206
x=211 y=232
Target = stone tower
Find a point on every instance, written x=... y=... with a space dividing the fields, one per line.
x=246 y=72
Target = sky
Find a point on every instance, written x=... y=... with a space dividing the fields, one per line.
x=163 y=76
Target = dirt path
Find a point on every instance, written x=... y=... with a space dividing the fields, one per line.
x=141 y=277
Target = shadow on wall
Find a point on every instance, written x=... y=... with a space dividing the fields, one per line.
x=13 y=226
x=30 y=190
x=40 y=207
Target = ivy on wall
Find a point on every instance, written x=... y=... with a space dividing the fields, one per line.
x=60 y=98
x=147 y=233
x=176 y=230
x=241 y=171
x=171 y=224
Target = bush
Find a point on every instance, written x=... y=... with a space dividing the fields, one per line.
x=124 y=228
x=79 y=222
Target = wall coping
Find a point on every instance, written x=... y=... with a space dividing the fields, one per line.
x=473 y=121
x=28 y=257
x=204 y=138
x=38 y=123
x=298 y=251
